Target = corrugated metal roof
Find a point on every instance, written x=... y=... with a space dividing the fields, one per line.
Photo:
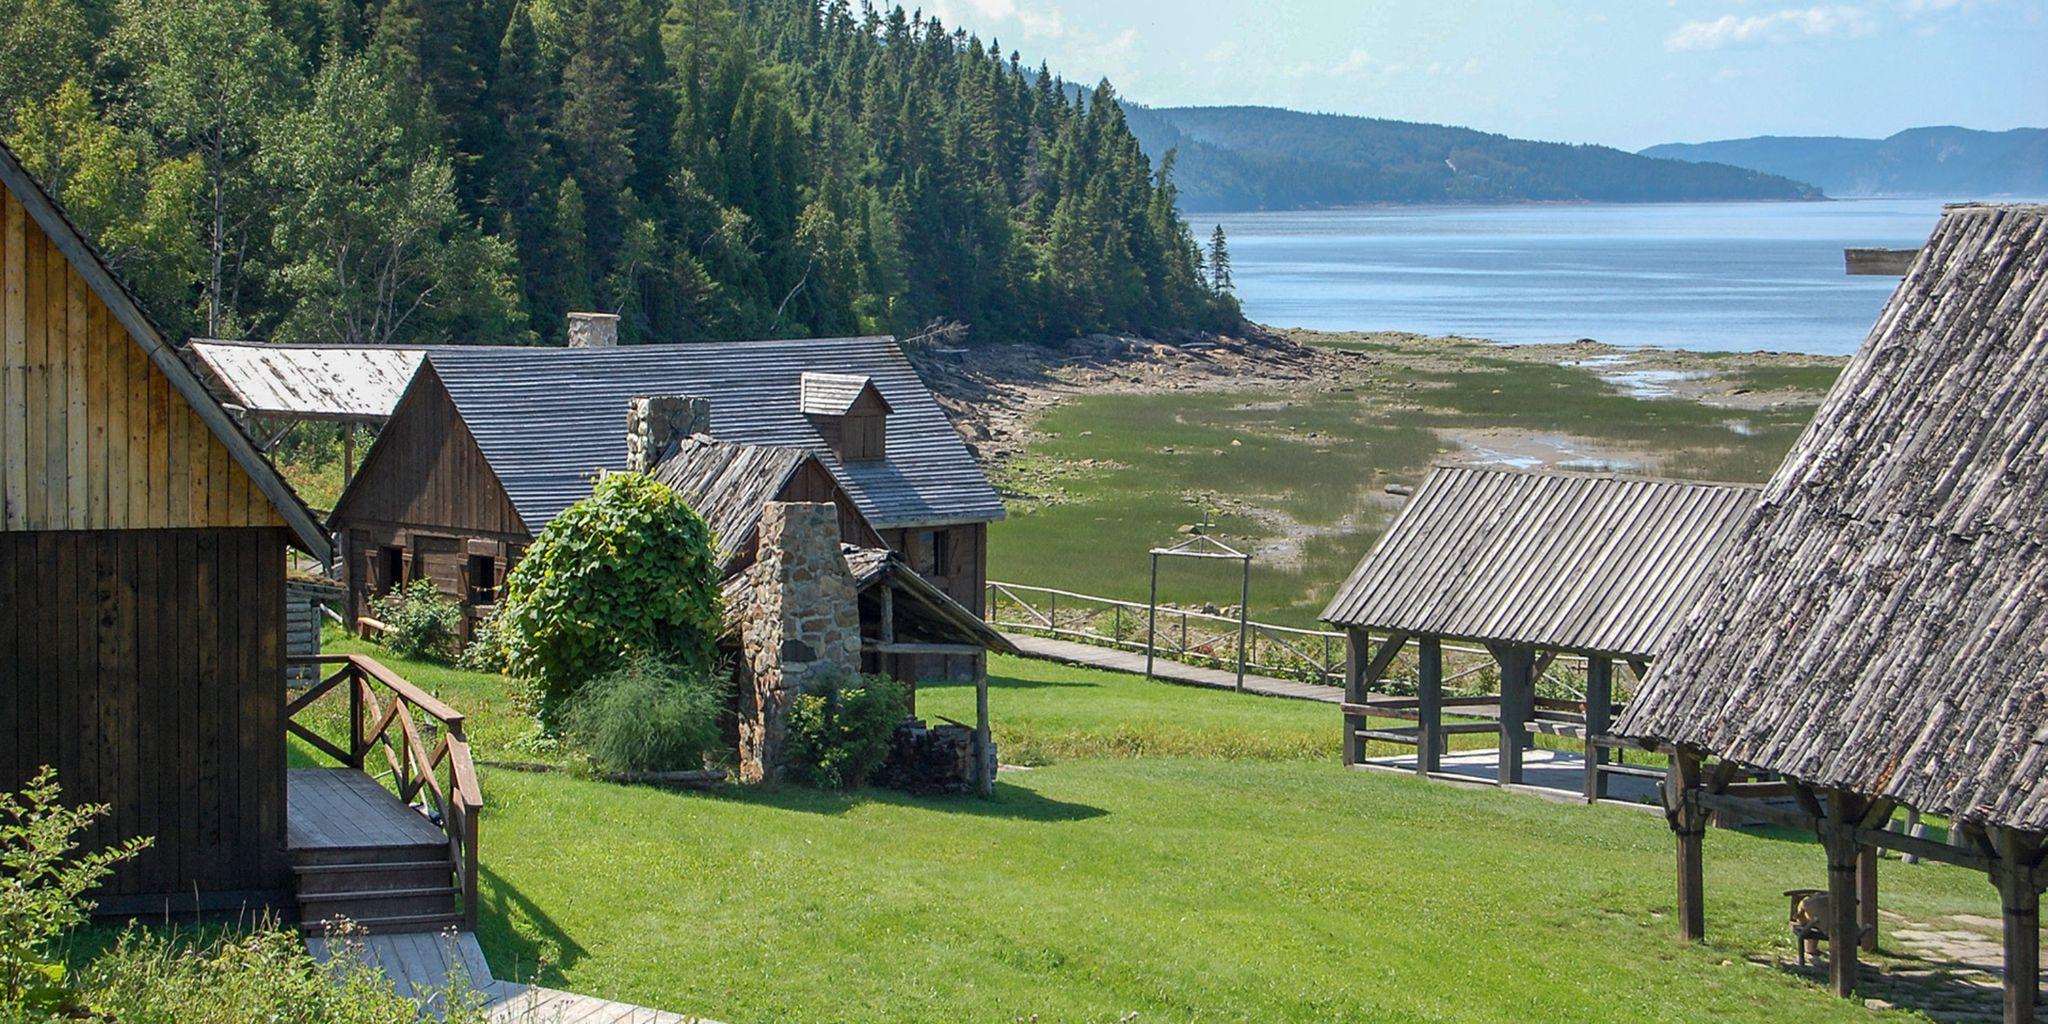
x=833 y=394
x=1597 y=564
x=548 y=419
x=1880 y=624
x=338 y=382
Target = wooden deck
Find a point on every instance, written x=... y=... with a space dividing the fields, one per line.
x=420 y=966
x=344 y=809
x=1091 y=656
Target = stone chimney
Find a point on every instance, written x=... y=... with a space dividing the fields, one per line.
x=593 y=330
x=654 y=422
x=801 y=628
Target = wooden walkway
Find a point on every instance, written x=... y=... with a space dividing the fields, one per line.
x=1115 y=660
x=421 y=965
x=344 y=809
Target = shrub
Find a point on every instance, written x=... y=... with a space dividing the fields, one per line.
x=485 y=651
x=43 y=880
x=423 y=623
x=649 y=716
x=839 y=733
x=262 y=975
x=630 y=568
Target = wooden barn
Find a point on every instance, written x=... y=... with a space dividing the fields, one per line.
x=142 y=580
x=1532 y=567
x=1874 y=635
x=487 y=445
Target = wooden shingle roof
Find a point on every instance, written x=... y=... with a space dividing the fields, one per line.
x=835 y=394
x=355 y=383
x=1881 y=624
x=1566 y=561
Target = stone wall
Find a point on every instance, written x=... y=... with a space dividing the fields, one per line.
x=653 y=422
x=802 y=629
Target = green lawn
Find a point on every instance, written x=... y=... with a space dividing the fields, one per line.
x=1181 y=854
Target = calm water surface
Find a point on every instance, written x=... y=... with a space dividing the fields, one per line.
x=1707 y=276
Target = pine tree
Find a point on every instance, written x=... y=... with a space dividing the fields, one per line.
x=1219 y=264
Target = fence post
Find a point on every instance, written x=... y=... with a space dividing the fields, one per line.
x=1244 y=611
x=1152 y=619
x=355 y=716
x=1053 y=616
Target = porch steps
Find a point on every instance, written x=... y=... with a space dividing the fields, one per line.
x=381 y=889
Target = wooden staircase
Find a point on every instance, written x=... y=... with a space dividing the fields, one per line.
x=381 y=889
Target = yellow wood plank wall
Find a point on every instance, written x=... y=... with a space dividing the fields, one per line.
x=92 y=435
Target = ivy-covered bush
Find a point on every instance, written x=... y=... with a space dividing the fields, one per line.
x=423 y=623
x=630 y=568
x=649 y=716
x=840 y=733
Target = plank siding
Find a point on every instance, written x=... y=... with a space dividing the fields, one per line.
x=185 y=744
x=74 y=389
x=427 y=471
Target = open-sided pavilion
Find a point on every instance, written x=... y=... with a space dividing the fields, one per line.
x=1532 y=567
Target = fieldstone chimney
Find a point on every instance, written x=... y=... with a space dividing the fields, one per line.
x=801 y=628
x=655 y=422
x=593 y=330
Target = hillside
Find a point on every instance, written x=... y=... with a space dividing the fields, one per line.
x=1944 y=161
x=1250 y=158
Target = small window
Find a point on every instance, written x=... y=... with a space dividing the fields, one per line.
x=390 y=569
x=937 y=552
x=483 y=580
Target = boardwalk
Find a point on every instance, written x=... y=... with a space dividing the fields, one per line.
x=1091 y=656
x=421 y=965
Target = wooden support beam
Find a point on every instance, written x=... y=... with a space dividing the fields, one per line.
x=2019 y=897
x=1844 y=916
x=1599 y=717
x=1688 y=820
x=984 y=747
x=1355 y=693
x=1517 y=703
x=1866 y=897
x=1429 y=705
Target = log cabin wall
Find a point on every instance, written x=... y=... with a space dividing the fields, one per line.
x=147 y=667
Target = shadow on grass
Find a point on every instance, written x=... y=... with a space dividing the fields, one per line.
x=1009 y=801
x=522 y=942
x=1945 y=990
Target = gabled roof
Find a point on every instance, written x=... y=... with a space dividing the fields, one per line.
x=122 y=303
x=548 y=419
x=1880 y=624
x=835 y=394
x=1567 y=561
x=355 y=383
x=729 y=484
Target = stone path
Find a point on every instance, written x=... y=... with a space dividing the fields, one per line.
x=1110 y=658
x=420 y=966
x=1949 y=969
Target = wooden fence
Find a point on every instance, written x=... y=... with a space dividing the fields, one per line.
x=444 y=780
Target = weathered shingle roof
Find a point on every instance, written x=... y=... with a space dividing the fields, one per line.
x=549 y=418
x=332 y=382
x=922 y=611
x=729 y=484
x=834 y=394
x=1597 y=564
x=1881 y=625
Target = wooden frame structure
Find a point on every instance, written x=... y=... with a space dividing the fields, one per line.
x=1536 y=568
x=1201 y=546
x=1872 y=640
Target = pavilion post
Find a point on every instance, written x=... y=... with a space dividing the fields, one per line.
x=1429 y=705
x=1244 y=612
x=984 y=747
x=1517 y=698
x=1844 y=918
x=1355 y=654
x=1599 y=718
x=2021 y=902
x=1688 y=822
x=1866 y=897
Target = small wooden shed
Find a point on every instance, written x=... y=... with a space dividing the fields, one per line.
x=1875 y=633
x=1531 y=566
x=142 y=579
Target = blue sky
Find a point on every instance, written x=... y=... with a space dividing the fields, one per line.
x=1622 y=72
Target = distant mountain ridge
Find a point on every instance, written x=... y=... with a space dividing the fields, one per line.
x=1267 y=158
x=1943 y=160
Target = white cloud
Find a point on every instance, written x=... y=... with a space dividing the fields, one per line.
x=1351 y=65
x=1775 y=27
x=985 y=17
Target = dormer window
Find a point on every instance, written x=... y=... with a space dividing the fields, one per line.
x=850 y=413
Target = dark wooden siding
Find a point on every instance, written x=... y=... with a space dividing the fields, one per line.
x=427 y=471
x=146 y=666
x=966 y=576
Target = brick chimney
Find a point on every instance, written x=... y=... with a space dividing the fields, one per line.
x=654 y=423
x=593 y=330
x=801 y=627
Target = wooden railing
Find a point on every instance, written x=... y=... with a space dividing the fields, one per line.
x=1209 y=639
x=441 y=781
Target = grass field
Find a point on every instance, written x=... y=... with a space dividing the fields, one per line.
x=1112 y=475
x=1178 y=854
